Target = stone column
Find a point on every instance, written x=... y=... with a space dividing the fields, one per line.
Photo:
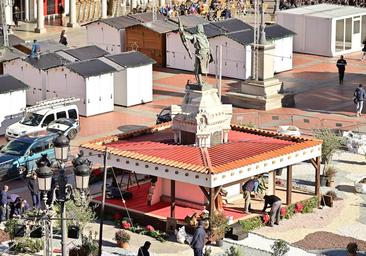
x=133 y=4
x=271 y=183
x=40 y=17
x=72 y=14
x=161 y=3
x=104 y=9
x=26 y=10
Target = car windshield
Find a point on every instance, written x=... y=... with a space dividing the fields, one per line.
x=16 y=147
x=32 y=119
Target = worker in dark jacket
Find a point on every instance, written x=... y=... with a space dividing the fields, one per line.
x=275 y=203
x=144 y=250
x=198 y=240
x=33 y=188
x=341 y=65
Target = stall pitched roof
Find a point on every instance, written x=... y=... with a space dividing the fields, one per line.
x=326 y=11
x=161 y=26
x=87 y=52
x=47 y=61
x=246 y=146
x=88 y=68
x=232 y=25
x=131 y=59
x=189 y=21
x=13 y=40
x=146 y=16
x=11 y=84
x=120 y=22
x=210 y=30
x=7 y=54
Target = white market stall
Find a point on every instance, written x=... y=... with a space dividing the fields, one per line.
x=12 y=101
x=109 y=34
x=236 y=38
x=83 y=53
x=133 y=84
x=32 y=72
x=325 y=29
x=91 y=81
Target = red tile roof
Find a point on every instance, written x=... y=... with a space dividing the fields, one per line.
x=246 y=146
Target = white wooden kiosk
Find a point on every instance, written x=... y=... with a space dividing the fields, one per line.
x=236 y=38
x=325 y=29
x=133 y=84
x=12 y=101
x=90 y=80
x=32 y=72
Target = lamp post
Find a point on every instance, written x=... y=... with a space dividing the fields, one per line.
x=63 y=189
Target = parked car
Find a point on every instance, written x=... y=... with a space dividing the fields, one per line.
x=164 y=115
x=20 y=155
x=69 y=127
x=37 y=121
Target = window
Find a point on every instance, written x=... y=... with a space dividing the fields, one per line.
x=47 y=144
x=48 y=120
x=73 y=114
x=356 y=26
x=37 y=148
x=61 y=114
x=32 y=119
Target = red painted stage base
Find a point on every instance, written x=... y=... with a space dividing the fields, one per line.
x=161 y=209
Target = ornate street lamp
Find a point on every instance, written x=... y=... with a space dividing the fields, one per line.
x=82 y=174
x=44 y=178
x=62 y=146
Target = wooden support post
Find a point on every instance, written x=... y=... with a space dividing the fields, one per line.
x=172 y=198
x=289 y=185
x=317 y=177
x=211 y=201
x=204 y=191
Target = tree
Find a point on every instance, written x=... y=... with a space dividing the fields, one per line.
x=280 y=248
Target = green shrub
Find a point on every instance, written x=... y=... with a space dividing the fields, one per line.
x=27 y=245
x=280 y=248
x=251 y=224
x=290 y=211
x=234 y=251
x=310 y=205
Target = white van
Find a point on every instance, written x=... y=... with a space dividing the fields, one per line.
x=38 y=120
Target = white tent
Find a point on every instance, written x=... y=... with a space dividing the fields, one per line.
x=325 y=29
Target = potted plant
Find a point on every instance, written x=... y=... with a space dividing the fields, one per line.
x=88 y=247
x=219 y=227
x=280 y=248
x=122 y=238
x=331 y=143
x=330 y=174
x=10 y=229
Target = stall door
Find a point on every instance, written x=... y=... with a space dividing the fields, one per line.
x=356 y=40
x=106 y=101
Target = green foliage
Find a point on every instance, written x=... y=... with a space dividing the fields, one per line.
x=331 y=143
x=251 y=224
x=280 y=248
x=76 y=214
x=89 y=245
x=290 y=211
x=158 y=235
x=10 y=226
x=310 y=205
x=27 y=245
x=207 y=251
x=234 y=251
x=219 y=225
x=123 y=236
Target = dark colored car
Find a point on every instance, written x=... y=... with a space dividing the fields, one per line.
x=164 y=116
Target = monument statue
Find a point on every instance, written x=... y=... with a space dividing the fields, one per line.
x=202 y=53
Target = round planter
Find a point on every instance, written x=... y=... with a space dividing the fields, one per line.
x=220 y=243
x=323 y=180
x=123 y=245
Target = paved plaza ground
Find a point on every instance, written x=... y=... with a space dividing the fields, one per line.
x=320 y=100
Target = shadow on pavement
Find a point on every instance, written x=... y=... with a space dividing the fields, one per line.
x=346 y=188
x=350 y=162
x=127 y=128
x=339 y=252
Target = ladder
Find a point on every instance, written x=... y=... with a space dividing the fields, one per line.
x=5 y=35
x=51 y=103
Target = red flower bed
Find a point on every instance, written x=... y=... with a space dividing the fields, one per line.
x=125 y=225
x=265 y=218
x=299 y=207
x=150 y=228
x=283 y=212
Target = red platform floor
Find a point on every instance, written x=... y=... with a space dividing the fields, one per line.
x=161 y=209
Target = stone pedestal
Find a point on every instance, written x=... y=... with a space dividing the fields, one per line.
x=202 y=120
x=72 y=15
x=40 y=18
x=264 y=92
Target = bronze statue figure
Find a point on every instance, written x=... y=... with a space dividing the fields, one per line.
x=203 y=56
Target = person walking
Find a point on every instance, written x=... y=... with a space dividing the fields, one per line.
x=4 y=207
x=144 y=250
x=249 y=187
x=63 y=39
x=16 y=15
x=198 y=240
x=36 y=50
x=61 y=12
x=359 y=97
x=275 y=203
x=363 y=49
x=341 y=65
x=33 y=188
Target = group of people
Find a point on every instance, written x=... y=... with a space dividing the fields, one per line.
x=12 y=205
